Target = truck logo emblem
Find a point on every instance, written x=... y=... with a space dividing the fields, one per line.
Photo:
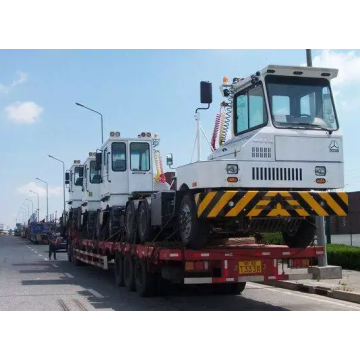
x=334 y=146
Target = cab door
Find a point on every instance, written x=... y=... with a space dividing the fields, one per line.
x=140 y=166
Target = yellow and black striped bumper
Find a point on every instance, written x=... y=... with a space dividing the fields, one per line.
x=227 y=204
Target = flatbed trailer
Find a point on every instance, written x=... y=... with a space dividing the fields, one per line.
x=142 y=267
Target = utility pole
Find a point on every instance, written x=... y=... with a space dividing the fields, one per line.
x=319 y=219
x=47 y=198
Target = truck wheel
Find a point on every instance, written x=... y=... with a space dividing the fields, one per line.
x=230 y=289
x=304 y=235
x=119 y=270
x=129 y=272
x=192 y=230
x=144 y=280
x=75 y=261
x=130 y=222
x=145 y=231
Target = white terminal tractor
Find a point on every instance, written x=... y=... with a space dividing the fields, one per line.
x=279 y=169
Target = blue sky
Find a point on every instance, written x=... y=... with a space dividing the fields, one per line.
x=136 y=90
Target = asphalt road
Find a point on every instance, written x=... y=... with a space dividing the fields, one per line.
x=29 y=281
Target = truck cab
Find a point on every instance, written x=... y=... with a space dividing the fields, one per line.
x=278 y=170
x=126 y=169
x=90 y=194
x=74 y=181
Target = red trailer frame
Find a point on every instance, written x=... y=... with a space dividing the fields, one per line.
x=234 y=263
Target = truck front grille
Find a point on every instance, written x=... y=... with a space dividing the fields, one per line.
x=277 y=174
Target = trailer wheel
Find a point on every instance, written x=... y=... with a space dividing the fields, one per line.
x=74 y=259
x=129 y=272
x=144 y=280
x=119 y=270
x=145 y=231
x=230 y=288
x=192 y=230
x=130 y=221
x=304 y=235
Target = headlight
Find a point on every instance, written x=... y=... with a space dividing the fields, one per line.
x=320 y=170
x=232 y=169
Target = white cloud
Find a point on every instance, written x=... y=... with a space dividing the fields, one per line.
x=24 y=112
x=20 y=78
x=54 y=191
x=348 y=64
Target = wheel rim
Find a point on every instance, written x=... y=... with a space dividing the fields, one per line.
x=185 y=221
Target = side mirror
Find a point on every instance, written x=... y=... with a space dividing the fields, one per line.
x=169 y=159
x=67 y=178
x=205 y=92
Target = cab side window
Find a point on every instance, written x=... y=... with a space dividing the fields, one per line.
x=250 y=110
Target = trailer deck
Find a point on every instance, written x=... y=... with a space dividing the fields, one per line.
x=235 y=262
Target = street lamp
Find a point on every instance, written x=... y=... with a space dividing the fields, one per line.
x=28 y=210
x=63 y=180
x=23 y=214
x=47 y=198
x=32 y=205
x=38 y=209
x=102 y=127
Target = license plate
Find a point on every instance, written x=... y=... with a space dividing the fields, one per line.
x=250 y=267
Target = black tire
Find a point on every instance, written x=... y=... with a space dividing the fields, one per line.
x=304 y=235
x=119 y=270
x=144 y=229
x=192 y=230
x=144 y=280
x=130 y=222
x=75 y=261
x=129 y=279
x=229 y=289
x=98 y=227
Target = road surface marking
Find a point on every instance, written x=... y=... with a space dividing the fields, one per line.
x=54 y=265
x=68 y=275
x=295 y=293
x=40 y=255
x=95 y=293
x=80 y=305
x=46 y=259
x=63 y=305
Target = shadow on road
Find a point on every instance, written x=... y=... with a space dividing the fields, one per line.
x=97 y=286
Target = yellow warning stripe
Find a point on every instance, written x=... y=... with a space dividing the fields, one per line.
x=312 y=202
x=256 y=211
x=221 y=203
x=209 y=196
x=241 y=203
x=332 y=203
x=197 y=197
x=344 y=197
x=301 y=211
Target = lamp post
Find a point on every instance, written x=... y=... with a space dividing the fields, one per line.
x=32 y=205
x=38 y=209
x=47 y=198
x=23 y=213
x=28 y=210
x=63 y=180
x=102 y=126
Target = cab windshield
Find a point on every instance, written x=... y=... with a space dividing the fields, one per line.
x=301 y=103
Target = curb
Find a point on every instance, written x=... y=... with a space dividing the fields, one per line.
x=317 y=290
